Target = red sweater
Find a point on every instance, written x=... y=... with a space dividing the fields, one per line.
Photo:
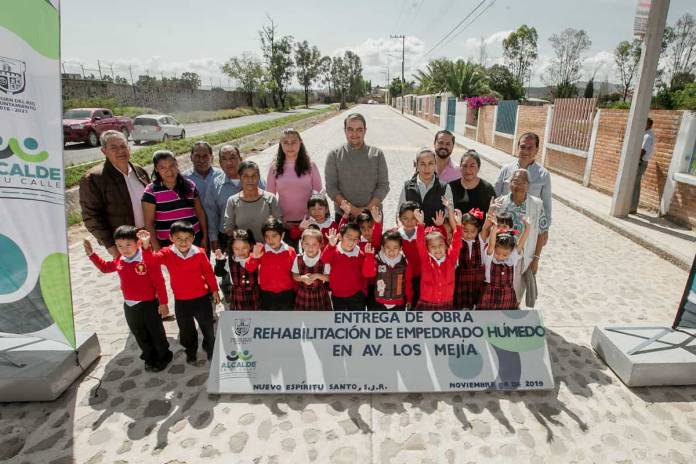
x=348 y=273
x=189 y=278
x=411 y=252
x=275 y=274
x=140 y=281
x=437 y=280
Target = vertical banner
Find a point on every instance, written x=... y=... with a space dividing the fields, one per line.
x=686 y=314
x=35 y=297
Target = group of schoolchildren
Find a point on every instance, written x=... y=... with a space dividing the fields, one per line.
x=449 y=261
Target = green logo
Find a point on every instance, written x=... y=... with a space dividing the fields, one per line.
x=28 y=151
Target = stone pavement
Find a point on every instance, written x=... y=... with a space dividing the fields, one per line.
x=674 y=243
x=589 y=275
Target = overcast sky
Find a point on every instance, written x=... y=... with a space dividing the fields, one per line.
x=175 y=36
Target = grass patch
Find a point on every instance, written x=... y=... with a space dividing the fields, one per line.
x=205 y=116
x=143 y=156
x=74 y=218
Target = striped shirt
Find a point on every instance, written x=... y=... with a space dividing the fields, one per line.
x=170 y=207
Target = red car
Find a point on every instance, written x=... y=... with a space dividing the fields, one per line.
x=87 y=124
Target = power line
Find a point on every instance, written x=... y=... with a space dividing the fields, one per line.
x=454 y=29
x=471 y=22
x=401 y=12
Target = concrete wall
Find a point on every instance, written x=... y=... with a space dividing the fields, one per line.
x=565 y=163
x=503 y=143
x=484 y=133
x=532 y=119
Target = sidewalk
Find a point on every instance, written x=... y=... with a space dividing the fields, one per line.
x=671 y=242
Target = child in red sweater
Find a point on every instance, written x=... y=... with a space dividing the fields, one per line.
x=407 y=231
x=275 y=259
x=244 y=294
x=311 y=275
x=350 y=267
x=438 y=261
x=193 y=283
x=144 y=294
x=469 y=276
x=319 y=215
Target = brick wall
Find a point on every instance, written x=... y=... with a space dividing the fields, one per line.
x=610 y=136
x=485 y=124
x=532 y=119
x=683 y=206
x=503 y=143
x=565 y=163
x=470 y=132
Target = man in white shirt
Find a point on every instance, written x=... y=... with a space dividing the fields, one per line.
x=646 y=152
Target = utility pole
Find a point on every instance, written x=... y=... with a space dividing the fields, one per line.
x=403 y=57
x=640 y=107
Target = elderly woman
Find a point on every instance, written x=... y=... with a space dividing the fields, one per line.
x=519 y=205
x=425 y=188
x=470 y=191
x=250 y=208
x=170 y=198
x=293 y=176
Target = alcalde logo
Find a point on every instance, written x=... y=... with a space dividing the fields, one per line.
x=28 y=150
x=239 y=356
x=12 y=75
x=241 y=327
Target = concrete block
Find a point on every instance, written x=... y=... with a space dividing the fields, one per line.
x=48 y=367
x=669 y=359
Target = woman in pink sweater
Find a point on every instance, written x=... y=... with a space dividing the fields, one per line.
x=293 y=176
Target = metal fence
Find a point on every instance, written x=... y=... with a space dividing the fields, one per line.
x=571 y=125
x=505 y=119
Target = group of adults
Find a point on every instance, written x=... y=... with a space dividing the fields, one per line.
x=235 y=196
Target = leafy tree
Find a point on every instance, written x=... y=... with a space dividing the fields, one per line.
x=565 y=89
x=520 y=52
x=504 y=83
x=190 y=81
x=325 y=71
x=308 y=64
x=277 y=51
x=107 y=78
x=467 y=79
x=627 y=58
x=681 y=48
x=569 y=47
x=248 y=70
x=685 y=99
x=434 y=78
x=356 y=89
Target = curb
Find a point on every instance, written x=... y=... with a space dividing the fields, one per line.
x=667 y=255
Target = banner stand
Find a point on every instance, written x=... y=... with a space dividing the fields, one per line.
x=8 y=360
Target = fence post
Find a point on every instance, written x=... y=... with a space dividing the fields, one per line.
x=495 y=121
x=547 y=131
x=591 y=150
x=517 y=125
x=686 y=137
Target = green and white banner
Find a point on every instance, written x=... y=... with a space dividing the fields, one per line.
x=35 y=297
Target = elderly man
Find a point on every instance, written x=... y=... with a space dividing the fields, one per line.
x=202 y=173
x=519 y=205
x=219 y=191
x=538 y=176
x=110 y=193
x=444 y=145
x=355 y=172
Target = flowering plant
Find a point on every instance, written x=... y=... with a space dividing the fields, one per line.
x=478 y=102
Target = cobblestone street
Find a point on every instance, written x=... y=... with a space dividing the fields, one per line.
x=589 y=275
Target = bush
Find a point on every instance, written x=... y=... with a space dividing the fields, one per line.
x=686 y=99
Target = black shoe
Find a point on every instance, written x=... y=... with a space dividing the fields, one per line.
x=191 y=358
x=210 y=355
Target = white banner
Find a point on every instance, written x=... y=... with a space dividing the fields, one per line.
x=379 y=352
x=35 y=296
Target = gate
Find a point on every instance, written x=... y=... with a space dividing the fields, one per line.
x=451 y=112
x=505 y=119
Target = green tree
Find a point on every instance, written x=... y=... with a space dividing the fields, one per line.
x=589 y=88
x=569 y=47
x=277 y=52
x=356 y=89
x=308 y=63
x=190 y=81
x=685 y=99
x=504 y=83
x=627 y=57
x=434 y=78
x=248 y=71
x=565 y=89
x=467 y=79
x=520 y=52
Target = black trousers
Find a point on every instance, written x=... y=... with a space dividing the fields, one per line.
x=225 y=282
x=201 y=310
x=280 y=301
x=145 y=324
x=370 y=302
x=415 y=281
x=351 y=303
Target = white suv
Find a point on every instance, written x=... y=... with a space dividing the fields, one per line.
x=156 y=128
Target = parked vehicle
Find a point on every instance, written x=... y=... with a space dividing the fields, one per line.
x=156 y=128
x=87 y=124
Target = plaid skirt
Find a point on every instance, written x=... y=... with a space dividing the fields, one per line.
x=312 y=298
x=468 y=286
x=428 y=306
x=497 y=298
x=245 y=298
